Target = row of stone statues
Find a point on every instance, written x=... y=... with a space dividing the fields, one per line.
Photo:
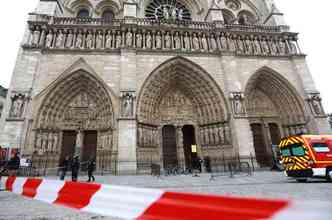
x=147 y=136
x=162 y=40
x=105 y=140
x=215 y=135
x=47 y=141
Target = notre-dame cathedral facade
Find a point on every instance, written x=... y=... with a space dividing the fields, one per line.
x=131 y=81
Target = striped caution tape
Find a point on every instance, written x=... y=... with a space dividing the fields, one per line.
x=147 y=204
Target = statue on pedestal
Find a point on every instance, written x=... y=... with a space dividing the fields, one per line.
x=100 y=39
x=79 y=40
x=49 y=39
x=108 y=43
x=69 y=41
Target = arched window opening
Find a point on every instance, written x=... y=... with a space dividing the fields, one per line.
x=107 y=15
x=83 y=13
x=228 y=16
x=246 y=18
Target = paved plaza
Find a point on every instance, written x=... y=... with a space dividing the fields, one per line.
x=262 y=184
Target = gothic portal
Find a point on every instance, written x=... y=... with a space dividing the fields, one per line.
x=132 y=83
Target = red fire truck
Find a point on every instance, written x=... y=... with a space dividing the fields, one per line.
x=307 y=156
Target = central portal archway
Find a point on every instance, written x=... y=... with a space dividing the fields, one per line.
x=176 y=94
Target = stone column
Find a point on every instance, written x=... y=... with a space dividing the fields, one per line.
x=127 y=158
x=179 y=147
x=79 y=143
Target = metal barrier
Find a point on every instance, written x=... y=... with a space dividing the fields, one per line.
x=230 y=167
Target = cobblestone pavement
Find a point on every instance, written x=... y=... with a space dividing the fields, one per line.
x=261 y=184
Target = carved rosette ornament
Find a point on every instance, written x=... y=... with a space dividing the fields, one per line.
x=127 y=106
x=237 y=101
x=315 y=102
x=18 y=103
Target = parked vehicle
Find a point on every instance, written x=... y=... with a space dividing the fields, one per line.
x=307 y=156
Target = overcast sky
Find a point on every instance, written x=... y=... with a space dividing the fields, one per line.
x=310 y=18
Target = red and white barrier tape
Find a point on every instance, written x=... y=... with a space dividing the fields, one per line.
x=147 y=204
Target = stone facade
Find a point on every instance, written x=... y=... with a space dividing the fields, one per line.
x=3 y=95
x=135 y=82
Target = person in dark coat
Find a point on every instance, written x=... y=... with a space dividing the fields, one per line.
x=64 y=168
x=13 y=165
x=91 y=168
x=75 y=166
x=196 y=165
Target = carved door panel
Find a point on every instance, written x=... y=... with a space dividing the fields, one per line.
x=68 y=144
x=169 y=146
x=89 y=145
x=262 y=156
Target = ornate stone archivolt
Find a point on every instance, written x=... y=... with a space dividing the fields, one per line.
x=78 y=101
x=190 y=85
x=19 y=101
x=269 y=95
x=315 y=102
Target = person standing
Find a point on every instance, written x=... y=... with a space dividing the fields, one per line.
x=64 y=168
x=14 y=165
x=91 y=168
x=75 y=166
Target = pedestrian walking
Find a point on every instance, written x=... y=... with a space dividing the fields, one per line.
x=91 y=168
x=64 y=165
x=14 y=164
x=75 y=166
x=196 y=166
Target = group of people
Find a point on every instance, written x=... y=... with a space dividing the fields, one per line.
x=12 y=166
x=74 y=166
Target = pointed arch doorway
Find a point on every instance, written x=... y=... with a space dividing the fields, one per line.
x=76 y=117
x=275 y=109
x=182 y=94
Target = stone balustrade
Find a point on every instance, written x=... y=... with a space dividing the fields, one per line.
x=86 y=34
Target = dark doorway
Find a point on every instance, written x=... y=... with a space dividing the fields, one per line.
x=89 y=145
x=262 y=157
x=169 y=146
x=275 y=133
x=68 y=144
x=188 y=141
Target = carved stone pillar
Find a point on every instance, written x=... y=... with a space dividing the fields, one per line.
x=179 y=147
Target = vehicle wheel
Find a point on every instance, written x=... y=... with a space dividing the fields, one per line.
x=329 y=175
x=301 y=180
